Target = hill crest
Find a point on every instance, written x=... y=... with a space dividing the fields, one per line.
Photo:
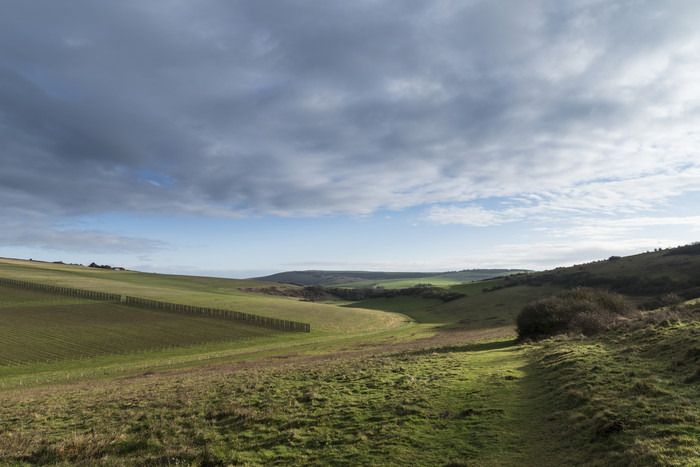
x=321 y=277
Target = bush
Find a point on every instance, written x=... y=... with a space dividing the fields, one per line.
x=581 y=310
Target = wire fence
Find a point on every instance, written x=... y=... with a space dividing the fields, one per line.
x=264 y=321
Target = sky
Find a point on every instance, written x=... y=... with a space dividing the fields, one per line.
x=237 y=138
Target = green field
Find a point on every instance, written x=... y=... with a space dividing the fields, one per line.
x=228 y=294
x=405 y=380
x=481 y=310
x=43 y=327
x=439 y=280
x=388 y=280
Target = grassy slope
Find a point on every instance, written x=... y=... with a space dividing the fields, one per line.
x=439 y=280
x=409 y=408
x=40 y=326
x=202 y=291
x=626 y=398
x=490 y=309
x=337 y=277
x=643 y=277
x=388 y=399
x=389 y=280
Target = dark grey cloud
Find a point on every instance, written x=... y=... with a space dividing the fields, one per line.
x=314 y=107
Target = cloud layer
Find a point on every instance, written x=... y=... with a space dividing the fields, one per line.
x=247 y=108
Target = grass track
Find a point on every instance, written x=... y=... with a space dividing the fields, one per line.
x=445 y=405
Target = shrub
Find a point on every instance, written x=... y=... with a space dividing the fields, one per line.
x=672 y=301
x=581 y=310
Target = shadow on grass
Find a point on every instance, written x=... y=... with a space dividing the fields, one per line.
x=476 y=347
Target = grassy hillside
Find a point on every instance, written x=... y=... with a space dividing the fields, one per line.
x=314 y=277
x=482 y=307
x=389 y=280
x=41 y=326
x=645 y=277
x=407 y=409
x=246 y=296
x=455 y=388
x=629 y=397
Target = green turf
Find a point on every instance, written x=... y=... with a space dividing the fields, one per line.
x=439 y=280
x=228 y=294
x=630 y=397
x=47 y=327
x=484 y=309
x=369 y=389
x=454 y=404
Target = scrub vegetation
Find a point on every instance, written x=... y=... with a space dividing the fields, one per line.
x=393 y=380
x=386 y=280
x=581 y=310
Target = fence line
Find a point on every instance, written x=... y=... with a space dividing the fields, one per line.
x=265 y=321
x=89 y=294
x=274 y=323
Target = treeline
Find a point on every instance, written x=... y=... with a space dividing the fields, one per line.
x=273 y=323
x=691 y=250
x=688 y=287
x=365 y=293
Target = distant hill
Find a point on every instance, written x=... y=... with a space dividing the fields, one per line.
x=389 y=279
x=650 y=275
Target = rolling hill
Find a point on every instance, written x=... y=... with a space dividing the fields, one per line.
x=452 y=387
x=384 y=279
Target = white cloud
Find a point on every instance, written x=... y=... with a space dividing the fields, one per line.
x=27 y=231
x=609 y=197
x=554 y=110
x=471 y=215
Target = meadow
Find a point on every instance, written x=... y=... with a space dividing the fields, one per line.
x=446 y=279
x=244 y=296
x=387 y=381
x=39 y=326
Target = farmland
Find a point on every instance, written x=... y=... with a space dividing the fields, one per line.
x=385 y=381
x=42 y=327
x=228 y=294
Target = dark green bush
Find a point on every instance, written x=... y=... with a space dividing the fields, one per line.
x=580 y=310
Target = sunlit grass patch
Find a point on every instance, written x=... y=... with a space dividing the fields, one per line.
x=445 y=405
x=627 y=397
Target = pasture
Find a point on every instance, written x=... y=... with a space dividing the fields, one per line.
x=367 y=386
x=244 y=296
x=447 y=279
x=40 y=326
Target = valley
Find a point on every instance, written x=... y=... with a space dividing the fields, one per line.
x=409 y=378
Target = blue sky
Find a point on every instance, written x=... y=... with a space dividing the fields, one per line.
x=243 y=138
